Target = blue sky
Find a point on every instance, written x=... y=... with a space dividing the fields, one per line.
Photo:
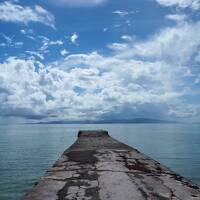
x=99 y=59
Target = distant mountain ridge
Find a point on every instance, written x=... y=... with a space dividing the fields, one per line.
x=116 y=121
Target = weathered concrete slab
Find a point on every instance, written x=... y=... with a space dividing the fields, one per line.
x=98 y=167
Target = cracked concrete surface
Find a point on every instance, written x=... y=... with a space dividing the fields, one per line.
x=98 y=167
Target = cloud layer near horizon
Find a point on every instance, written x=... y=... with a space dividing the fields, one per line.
x=140 y=78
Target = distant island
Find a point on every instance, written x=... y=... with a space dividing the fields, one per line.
x=110 y=121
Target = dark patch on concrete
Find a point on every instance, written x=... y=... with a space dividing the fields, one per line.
x=138 y=176
x=71 y=182
x=83 y=180
x=88 y=176
x=137 y=165
x=84 y=175
x=93 y=193
x=159 y=197
x=36 y=183
x=192 y=186
x=83 y=157
x=184 y=182
x=158 y=168
x=178 y=178
x=143 y=193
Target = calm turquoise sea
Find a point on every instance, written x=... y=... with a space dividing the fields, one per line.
x=26 y=151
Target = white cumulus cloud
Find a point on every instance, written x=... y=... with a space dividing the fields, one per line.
x=74 y=38
x=46 y=42
x=126 y=38
x=64 y=52
x=176 y=17
x=117 y=46
x=12 y=12
x=193 y=4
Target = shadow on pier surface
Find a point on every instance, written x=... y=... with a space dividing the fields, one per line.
x=98 y=167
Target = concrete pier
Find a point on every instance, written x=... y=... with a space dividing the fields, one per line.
x=98 y=167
